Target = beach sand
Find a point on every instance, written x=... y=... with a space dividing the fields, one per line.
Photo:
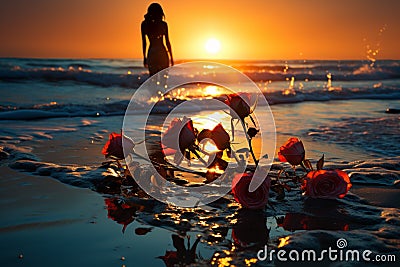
x=54 y=213
x=378 y=196
x=46 y=222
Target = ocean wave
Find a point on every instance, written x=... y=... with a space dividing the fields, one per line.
x=285 y=96
x=46 y=111
x=333 y=93
x=73 y=73
x=377 y=135
x=129 y=74
x=358 y=73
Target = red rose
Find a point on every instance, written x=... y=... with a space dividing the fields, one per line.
x=220 y=137
x=252 y=200
x=180 y=134
x=113 y=148
x=292 y=151
x=240 y=104
x=326 y=184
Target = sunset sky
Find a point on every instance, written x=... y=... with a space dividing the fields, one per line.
x=246 y=29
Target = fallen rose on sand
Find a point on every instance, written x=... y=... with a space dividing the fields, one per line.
x=252 y=200
x=292 y=151
x=328 y=184
x=180 y=134
x=114 y=149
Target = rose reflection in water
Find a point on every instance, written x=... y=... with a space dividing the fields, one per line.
x=250 y=229
x=249 y=234
x=121 y=212
x=294 y=221
x=183 y=255
x=324 y=214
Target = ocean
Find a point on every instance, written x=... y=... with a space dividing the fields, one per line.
x=56 y=115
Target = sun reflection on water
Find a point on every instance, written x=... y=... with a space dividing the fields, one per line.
x=283 y=241
x=212 y=120
x=290 y=90
x=190 y=92
x=249 y=262
x=211 y=90
x=210 y=147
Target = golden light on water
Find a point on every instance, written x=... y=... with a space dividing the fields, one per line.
x=209 y=121
x=220 y=117
x=290 y=90
x=250 y=262
x=211 y=90
x=222 y=261
x=210 y=147
x=283 y=241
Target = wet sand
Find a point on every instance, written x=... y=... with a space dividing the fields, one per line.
x=47 y=223
x=379 y=196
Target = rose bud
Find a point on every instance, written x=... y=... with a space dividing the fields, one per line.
x=292 y=151
x=237 y=102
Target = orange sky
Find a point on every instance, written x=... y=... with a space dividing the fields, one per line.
x=247 y=29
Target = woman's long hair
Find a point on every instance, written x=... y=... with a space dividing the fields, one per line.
x=154 y=13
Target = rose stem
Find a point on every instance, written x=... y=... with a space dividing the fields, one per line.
x=166 y=165
x=249 y=141
x=198 y=156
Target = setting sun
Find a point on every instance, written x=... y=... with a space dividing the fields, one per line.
x=213 y=46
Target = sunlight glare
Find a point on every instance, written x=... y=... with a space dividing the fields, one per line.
x=211 y=90
x=213 y=46
x=210 y=147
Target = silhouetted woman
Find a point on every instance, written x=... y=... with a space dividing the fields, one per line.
x=155 y=28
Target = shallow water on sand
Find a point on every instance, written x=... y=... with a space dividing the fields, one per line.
x=60 y=206
x=52 y=223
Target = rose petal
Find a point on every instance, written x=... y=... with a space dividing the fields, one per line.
x=326 y=184
x=292 y=151
x=252 y=200
x=113 y=147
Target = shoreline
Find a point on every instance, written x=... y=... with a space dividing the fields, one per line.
x=52 y=214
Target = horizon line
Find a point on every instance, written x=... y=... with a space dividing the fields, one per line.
x=201 y=59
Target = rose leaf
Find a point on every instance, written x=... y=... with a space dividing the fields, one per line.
x=320 y=163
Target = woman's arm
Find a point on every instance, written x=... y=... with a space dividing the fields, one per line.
x=167 y=42
x=144 y=44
